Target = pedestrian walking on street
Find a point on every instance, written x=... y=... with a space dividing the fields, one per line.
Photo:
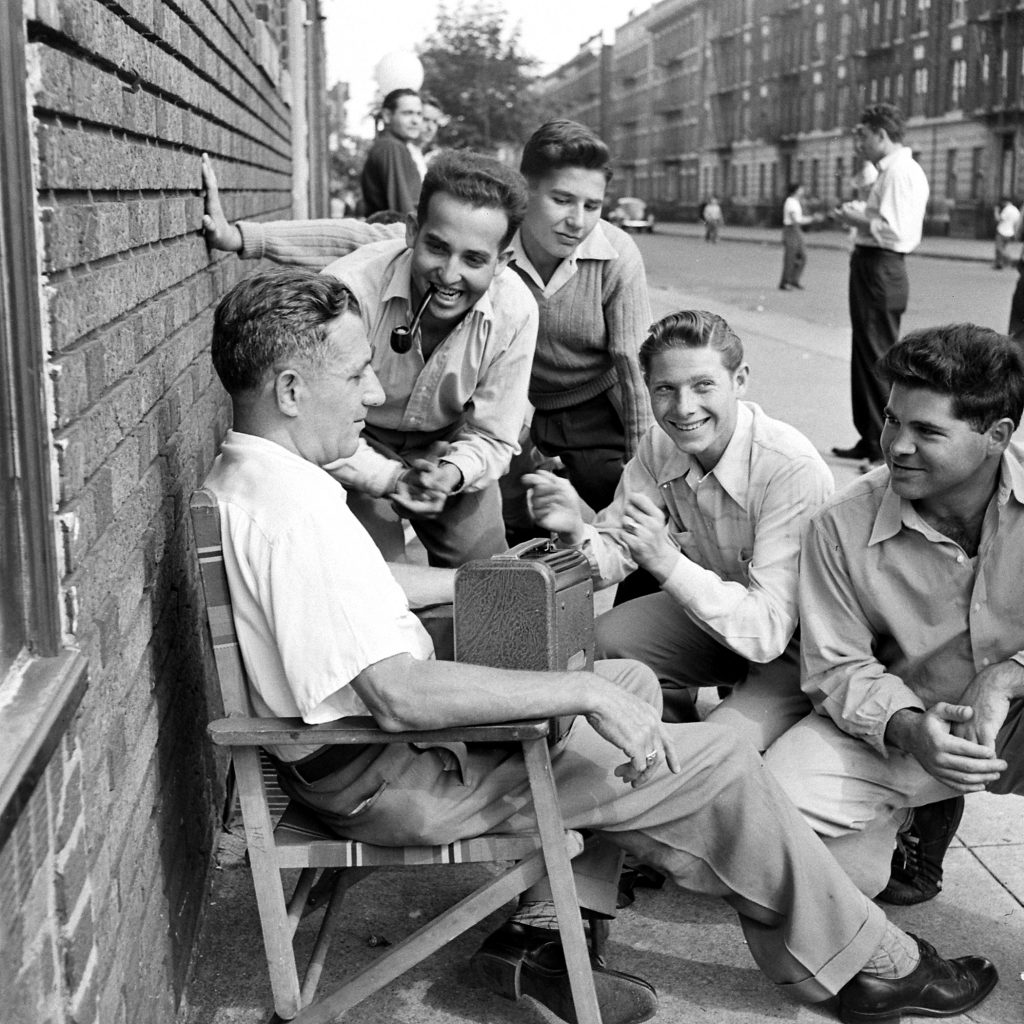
x=888 y=227
x=712 y=217
x=1007 y=224
x=794 y=253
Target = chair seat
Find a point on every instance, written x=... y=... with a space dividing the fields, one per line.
x=303 y=840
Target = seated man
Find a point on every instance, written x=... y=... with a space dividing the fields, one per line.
x=910 y=605
x=325 y=631
x=712 y=506
x=449 y=424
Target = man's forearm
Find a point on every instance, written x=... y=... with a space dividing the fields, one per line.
x=403 y=693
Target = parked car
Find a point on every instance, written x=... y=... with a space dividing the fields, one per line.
x=631 y=214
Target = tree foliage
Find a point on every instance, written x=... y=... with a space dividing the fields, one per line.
x=473 y=63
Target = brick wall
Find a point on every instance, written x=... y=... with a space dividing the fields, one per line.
x=103 y=877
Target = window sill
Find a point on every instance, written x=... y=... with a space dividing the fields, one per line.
x=36 y=707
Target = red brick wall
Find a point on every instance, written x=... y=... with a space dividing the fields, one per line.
x=102 y=880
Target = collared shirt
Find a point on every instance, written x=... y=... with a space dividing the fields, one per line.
x=792 y=212
x=894 y=614
x=594 y=247
x=475 y=381
x=737 y=528
x=300 y=567
x=896 y=205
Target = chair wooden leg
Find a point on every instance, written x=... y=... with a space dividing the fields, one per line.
x=563 y=888
x=277 y=931
x=430 y=938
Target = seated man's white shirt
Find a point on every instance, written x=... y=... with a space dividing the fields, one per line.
x=314 y=601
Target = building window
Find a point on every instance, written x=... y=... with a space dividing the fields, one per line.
x=957 y=11
x=921 y=10
x=840 y=178
x=761 y=181
x=951 y=189
x=957 y=83
x=977 y=172
x=815 y=169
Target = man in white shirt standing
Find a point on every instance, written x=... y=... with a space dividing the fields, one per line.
x=888 y=227
x=1007 y=222
x=794 y=254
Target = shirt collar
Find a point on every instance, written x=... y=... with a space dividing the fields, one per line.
x=890 y=158
x=594 y=247
x=733 y=469
x=894 y=512
x=400 y=287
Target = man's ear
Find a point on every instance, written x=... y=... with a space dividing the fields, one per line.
x=502 y=261
x=288 y=388
x=999 y=435
x=412 y=227
x=740 y=377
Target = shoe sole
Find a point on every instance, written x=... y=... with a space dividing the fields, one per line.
x=885 y=1016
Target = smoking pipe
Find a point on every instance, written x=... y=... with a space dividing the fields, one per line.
x=401 y=336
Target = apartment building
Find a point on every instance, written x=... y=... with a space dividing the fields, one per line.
x=739 y=97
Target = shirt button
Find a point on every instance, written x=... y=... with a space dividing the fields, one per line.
x=977 y=607
x=959 y=559
x=986 y=662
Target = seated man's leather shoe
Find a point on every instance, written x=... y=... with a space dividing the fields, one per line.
x=519 y=960
x=937 y=988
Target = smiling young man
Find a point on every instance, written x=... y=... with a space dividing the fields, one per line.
x=712 y=506
x=454 y=402
x=911 y=616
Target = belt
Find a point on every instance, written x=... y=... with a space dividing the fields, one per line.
x=876 y=250
x=322 y=762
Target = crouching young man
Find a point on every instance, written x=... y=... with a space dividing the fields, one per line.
x=326 y=631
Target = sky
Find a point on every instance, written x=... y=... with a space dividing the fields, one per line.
x=360 y=32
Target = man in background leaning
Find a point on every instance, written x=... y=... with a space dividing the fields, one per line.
x=888 y=227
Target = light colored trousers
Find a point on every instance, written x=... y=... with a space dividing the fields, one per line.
x=722 y=827
x=765 y=699
x=857 y=800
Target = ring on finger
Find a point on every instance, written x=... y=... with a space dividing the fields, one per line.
x=652 y=756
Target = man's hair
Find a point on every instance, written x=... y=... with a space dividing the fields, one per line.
x=476 y=180
x=692 y=328
x=884 y=115
x=392 y=98
x=562 y=143
x=426 y=97
x=792 y=187
x=981 y=370
x=272 y=317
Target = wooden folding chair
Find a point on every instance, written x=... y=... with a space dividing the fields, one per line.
x=299 y=841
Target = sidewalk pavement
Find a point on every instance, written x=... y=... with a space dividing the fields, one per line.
x=932 y=246
x=689 y=947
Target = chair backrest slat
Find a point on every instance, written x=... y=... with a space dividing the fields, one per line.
x=234 y=685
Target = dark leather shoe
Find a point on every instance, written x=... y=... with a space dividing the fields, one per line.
x=937 y=988
x=519 y=960
x=861 y=450
x=916 y=872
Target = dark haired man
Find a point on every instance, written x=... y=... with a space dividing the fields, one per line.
x=326 y=632
x=888 y=227
x=912 y=633
x=390 y=178
x=456 y=400
x=712 y=506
